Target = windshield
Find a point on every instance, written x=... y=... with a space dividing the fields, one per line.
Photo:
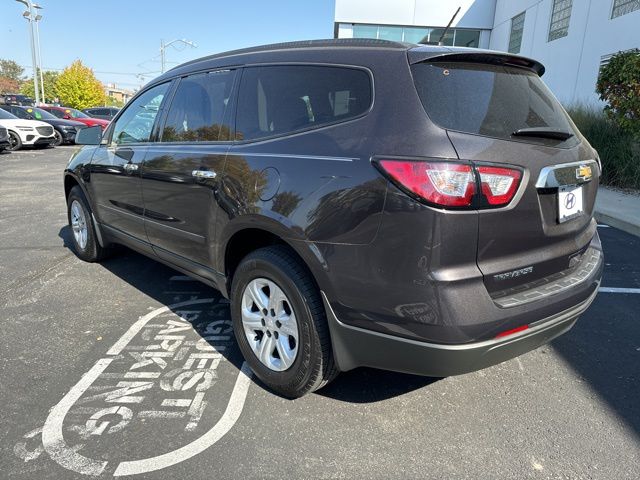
x=4 y=115
x=40 y=114
x=73 y=113
x=489 y=100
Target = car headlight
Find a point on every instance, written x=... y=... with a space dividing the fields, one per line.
x=68 y=128
x=24 y=129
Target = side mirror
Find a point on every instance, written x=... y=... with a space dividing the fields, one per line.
x=89 y=136
x=67 y=117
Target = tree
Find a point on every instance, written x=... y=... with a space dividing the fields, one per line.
x=50 y=79
x=619 y=86
x=8 y=85
x=78 y=87
x=11 y=70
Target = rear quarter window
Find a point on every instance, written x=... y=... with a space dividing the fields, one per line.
x=277 y=100
x=488 y=100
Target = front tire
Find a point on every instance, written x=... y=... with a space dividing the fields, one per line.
x=14 y=141
x=58 y=138
x=280 y=324
x=84 y=237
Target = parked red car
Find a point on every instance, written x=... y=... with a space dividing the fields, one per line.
x=73 y=114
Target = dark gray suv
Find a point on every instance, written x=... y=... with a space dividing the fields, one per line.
x=415 y=208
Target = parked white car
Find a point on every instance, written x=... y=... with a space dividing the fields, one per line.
x=29 y=133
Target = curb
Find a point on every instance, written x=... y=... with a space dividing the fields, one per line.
x=632 y=228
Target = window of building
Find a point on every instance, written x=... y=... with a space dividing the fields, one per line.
x=622 y=7
x=560 y=16
x=136 y=123
x=458 y=37
x=197 y=111
x=515 y=37
x=276 y=100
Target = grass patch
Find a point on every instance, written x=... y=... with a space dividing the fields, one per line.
x=619 y=150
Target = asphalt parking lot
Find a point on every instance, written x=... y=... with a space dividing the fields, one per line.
x=129 y=368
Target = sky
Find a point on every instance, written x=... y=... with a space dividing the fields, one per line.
x=120 y=39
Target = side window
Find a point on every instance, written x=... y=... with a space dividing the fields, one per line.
x=20 y=113
x=276 y=100
x=136 y=123
x=57 y=113
x=197 y=111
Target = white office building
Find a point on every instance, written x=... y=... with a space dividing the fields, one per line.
x=572 y=38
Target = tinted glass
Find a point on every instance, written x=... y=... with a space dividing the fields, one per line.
x=57 y=113
x=197 y=111
x=73 y=113
x=277 y=100
x=40 y=114
x=20 y=113
x=4 y=115
x=136 y=122
x=487 y=100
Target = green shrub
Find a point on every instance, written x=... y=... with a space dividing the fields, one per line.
x=619 y=150
x=619 y=86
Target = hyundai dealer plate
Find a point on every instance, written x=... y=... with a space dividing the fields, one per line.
x=569 y=202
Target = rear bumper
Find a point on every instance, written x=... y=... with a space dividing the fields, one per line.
x=357 y=347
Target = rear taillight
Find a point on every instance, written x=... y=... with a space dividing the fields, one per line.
x=453 y=184
x=442 y=183
x=498 y=184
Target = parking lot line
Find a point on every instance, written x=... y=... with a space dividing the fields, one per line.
x=618 y=290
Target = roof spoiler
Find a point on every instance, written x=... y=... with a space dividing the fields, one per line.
x=493 y=58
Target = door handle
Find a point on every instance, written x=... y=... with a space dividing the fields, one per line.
x=130 y=167
x=203 y=174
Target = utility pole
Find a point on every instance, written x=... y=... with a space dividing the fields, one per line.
x=32 y=17
x=163 y=48
x=39 y=59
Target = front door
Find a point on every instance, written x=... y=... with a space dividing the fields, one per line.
x=181 y=172
x=115 y=167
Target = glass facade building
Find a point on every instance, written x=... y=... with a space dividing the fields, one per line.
x=459 y=37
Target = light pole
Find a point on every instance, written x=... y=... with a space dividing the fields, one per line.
x=39 y=54
x=163 y=47
x=31 y=17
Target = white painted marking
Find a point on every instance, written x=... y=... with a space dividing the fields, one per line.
x=182 y=278
x=520 y=364
x=618 y=290
x=142 y=321
x=68 y=457
x=603 y=226
x=228 y=420
x=160 y=414
x=52 y=436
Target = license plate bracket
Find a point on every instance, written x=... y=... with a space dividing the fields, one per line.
x=570 y=202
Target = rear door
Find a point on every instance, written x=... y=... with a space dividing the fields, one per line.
x=482 y=106
x=115 y=166
x=181 y=172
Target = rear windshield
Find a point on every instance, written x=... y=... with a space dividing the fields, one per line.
x=489 y=100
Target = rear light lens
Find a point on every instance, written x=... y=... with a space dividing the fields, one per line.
x=441 y=183
x=513 y=331
x=498 y=184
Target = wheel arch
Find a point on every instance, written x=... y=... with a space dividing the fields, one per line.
x=248 y=238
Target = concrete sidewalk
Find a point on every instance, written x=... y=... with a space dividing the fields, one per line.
x=618 y=209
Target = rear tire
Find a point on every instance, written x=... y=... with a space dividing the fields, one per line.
x=257 y=278
x=14 y=141
x=84 y=238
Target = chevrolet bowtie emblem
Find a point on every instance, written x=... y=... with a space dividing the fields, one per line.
x=583 y=172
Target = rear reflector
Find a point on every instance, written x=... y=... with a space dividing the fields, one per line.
x=506 y=333
x=499 y=184
x=442 y=183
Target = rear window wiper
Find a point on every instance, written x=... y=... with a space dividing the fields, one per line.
x=543 y=132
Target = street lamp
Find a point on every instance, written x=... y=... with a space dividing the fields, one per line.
x=163 y=47
x=32 y=18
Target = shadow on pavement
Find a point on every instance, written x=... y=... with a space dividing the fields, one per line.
x=153 y=279
x=368 y=385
